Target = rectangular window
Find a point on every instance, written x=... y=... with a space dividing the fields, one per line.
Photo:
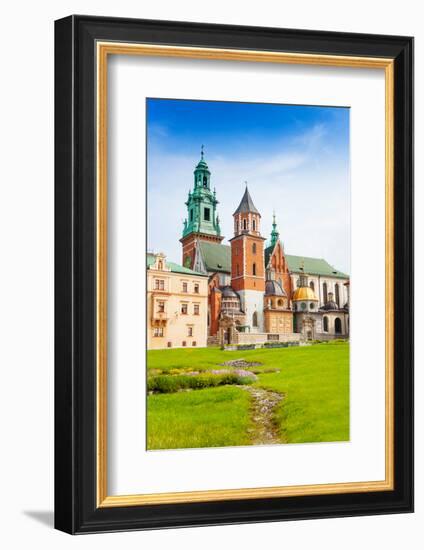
x=196 y=288
x=207 y=214
x=158 y=332
x=194 y=344
x=184 y=344
x=196 y=309
x=184 y=309
x=190 y=331
x=185 y=287
x=159 y=284
x=161 y=307
x=169 y=344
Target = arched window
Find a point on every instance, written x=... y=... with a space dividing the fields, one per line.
x=160 y=264
x=324 y=292
x=254 y=248
x=245 y=224
x=311 y=284
x=254 y=225
x=205 y=181
x=280 y=303
x=237 y=270
x=254 y=269
x=337 y=325
x=325 y=321
x=337 y=291
x=255 y=319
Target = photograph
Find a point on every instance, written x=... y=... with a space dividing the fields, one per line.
x=247 y=273
x=234 y=269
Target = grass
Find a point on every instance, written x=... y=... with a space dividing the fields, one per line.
x=314 y=380
x=213 y=417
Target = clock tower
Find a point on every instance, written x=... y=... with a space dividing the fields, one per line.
x=202 y=222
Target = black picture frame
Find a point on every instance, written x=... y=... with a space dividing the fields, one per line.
x=76 y=510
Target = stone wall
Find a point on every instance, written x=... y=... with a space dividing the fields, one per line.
x=261 y=338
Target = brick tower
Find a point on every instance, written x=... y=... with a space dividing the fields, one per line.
x=202 y=222
x=247 y=262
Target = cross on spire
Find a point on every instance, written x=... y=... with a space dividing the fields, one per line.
x=202 y=151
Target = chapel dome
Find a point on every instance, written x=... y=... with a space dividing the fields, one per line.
x=228 y=292
x=304 y=293
x=273 y=288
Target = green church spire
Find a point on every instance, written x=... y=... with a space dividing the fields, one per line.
x=201 y=203
x=274 y=233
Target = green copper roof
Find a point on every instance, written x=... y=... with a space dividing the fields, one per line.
x=175 y=268
x=313 y=266
x=216 y=257
x=201 y=204
x=274 y=233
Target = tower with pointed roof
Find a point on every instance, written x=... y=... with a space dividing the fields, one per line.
x=276 y=265
x=202 y=221
x=247 y=261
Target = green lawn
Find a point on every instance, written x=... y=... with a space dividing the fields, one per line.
x=215 y=417
x=314 y=380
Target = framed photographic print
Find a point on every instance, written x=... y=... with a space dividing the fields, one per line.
x=234 y=274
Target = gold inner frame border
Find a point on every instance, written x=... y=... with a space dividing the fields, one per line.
x=103 y=50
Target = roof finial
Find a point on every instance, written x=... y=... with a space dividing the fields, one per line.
x=201 y=151
x=274 y=233
x=245 y=183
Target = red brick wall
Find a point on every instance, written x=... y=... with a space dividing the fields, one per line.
x=279 y=263
x=242 y=255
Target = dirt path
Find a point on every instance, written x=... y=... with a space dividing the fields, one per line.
x=264 y=403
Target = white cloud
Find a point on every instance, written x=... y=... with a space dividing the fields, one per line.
x=307 y=186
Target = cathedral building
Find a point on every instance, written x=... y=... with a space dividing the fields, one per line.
x=254 y=287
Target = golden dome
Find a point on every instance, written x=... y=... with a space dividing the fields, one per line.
x=304 y=293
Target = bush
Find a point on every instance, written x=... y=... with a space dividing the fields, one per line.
x=173 y=383
x=276 y=344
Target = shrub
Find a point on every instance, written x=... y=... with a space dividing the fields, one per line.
x=173 y=383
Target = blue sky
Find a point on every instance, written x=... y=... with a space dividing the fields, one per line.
x=294 y=158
